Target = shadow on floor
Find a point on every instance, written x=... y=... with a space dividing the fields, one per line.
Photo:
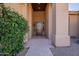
x=73 y=50
x=23 y=52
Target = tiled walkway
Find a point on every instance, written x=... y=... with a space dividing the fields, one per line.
x=39 y=46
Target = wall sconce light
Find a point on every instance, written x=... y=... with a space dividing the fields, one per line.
x=38 y=7
x=38 y=3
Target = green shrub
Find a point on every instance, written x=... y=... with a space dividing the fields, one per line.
x=12 y=30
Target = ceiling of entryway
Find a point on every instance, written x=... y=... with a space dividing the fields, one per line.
x=39 y=6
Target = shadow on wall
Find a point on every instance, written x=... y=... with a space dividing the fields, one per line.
x=78 y=24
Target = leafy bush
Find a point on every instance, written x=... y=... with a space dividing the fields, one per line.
x=12 y=30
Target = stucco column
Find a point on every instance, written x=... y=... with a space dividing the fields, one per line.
x=49 y=20
x=30 y=19
x=61 y=37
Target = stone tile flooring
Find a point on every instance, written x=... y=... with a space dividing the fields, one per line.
x=73 y=50
x=39 y=46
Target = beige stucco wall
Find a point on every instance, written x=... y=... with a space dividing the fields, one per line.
x=30 y=13
x=37 y=16
x=54 y=23
x=46 y=14
x=78 y=24
x=61 y=35
x=20 y=8
x=74 y=23
x=49 y=21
